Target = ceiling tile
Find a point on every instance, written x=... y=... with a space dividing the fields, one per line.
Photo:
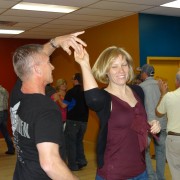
x=7 y=3
x=144 y=2
x=40 y=14
x=102 y=12
x=119 y=6
x=24 y=19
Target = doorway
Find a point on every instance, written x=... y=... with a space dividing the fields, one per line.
x=165 y=68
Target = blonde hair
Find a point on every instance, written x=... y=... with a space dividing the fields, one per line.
x=104 y=61
x=60 y=82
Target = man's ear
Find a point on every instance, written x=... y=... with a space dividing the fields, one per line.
x=37 y=70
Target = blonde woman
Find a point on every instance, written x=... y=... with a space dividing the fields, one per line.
x=123 y=131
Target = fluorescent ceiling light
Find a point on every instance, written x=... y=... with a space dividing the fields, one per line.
x=174 y=4
x=44 y=7
x=5 y=31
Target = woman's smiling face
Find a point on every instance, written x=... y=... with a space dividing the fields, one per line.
x=119 y=71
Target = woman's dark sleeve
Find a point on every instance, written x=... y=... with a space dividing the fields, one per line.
x=95 y=99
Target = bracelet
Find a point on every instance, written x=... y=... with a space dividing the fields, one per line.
x=52 y=43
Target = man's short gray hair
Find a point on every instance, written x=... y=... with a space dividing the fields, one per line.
x=24 y=57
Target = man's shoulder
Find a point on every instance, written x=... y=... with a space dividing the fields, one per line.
x=2 y=89
x=37 y=99
x=72 y=90
x=69 y=90
x=143 y=84
x=38 y=102
x=171 y=94
x=148 y=83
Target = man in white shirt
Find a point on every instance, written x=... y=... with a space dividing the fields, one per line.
x=169 y=104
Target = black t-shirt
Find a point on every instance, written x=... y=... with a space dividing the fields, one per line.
x=16 y=95
x=35 y=119
x=80 y=111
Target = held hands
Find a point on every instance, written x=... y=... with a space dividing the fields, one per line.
x=70 y=40
x=155 y=126
x=56 y=97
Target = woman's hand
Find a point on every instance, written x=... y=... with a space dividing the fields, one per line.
x=155 y=126
x=81 y=56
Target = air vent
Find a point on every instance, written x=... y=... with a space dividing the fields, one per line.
x=7 y=23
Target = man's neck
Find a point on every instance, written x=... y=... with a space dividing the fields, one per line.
x=31 y=87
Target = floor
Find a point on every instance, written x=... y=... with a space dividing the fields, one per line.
x=7 y=163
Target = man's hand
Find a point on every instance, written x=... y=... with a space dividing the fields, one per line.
x=70 y=40
x=163 y=86
x=65 y=42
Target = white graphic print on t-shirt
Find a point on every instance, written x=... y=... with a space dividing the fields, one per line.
x=18 y=127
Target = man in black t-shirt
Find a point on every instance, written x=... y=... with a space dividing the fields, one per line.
x=36 y=119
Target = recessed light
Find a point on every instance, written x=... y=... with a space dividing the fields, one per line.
x=6 y=31
x=173 y=4
x=44 y=7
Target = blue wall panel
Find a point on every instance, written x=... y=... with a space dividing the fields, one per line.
x=159 y=36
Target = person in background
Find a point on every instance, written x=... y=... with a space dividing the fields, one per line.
x=169 y=104
x=76 y=124
x=137 y=80
x=4 y=96
x=122 y=138
x=58 y=97
x=152 y=95
x=36 y=119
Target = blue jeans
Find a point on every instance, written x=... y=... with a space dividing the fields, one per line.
x=74 y=134
x=4 y=130
x=142 y=176
x=160 y=154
